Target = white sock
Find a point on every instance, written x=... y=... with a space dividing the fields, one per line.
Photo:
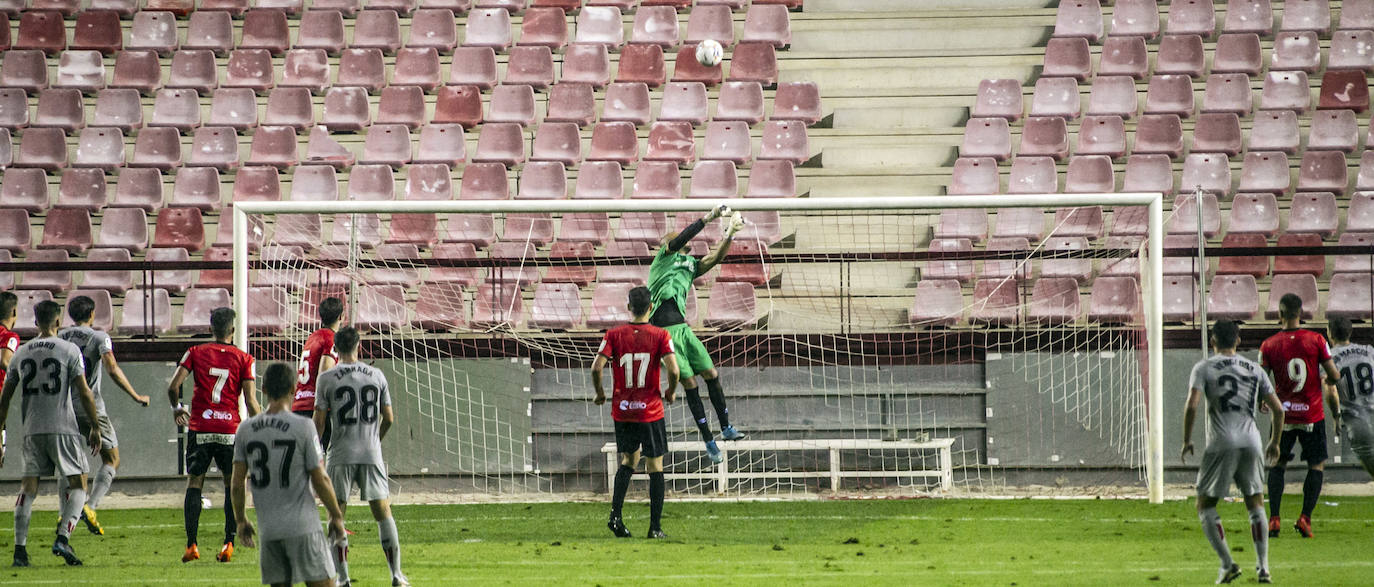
x=340 y=552
x=101 y=486
x=70 y=503
x=1211 y=527
x=23 y=510
x=391 y=545
x=1259 y=532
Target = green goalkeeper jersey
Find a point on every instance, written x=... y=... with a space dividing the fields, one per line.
x=670 y=278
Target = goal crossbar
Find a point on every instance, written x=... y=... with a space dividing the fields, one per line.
x=1153 y=302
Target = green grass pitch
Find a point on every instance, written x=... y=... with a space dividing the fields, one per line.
x=891 y=542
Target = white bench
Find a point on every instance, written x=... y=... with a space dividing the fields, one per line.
x=722 y=473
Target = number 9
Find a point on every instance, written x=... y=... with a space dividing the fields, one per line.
x=1297 y=373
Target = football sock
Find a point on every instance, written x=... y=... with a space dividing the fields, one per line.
x=190 y=512
x=655 y=500
x=101 y=486
x=718 y=402
x=698 y=412
x=1259 y=532
x=231 y=528
x=1311 y=491
x=1211 y=526
x=339 y=551
x=23 y=510
x=391 y=544
x=622 y=485
x=70 y=503
x=1275 y=489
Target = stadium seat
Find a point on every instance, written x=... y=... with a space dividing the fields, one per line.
x=754 y=270
x=24 y=324
x=938 y=302
x=1265 y=172
x=501 y=143
x=114 y=281
x=59 y=108
x=485 y=181
x=265 y=29
x=381 y=308
x=1027 y=223
x=194 y=70
x=1227 y=92
x=751 y=62
x=56 y=281
x=557 y=141
x=1206 y=171
x=459 y=276
x=1081 y=221
x=1254 y=213
x=1052 y=97
x=1090 y=174
x=177 y=108
x=386 y=144
x=291 y=7
x=1360 y=213
x=1217 y=132
x=267 y=310
x=1350 y=295
x=1181 y=55
x=96 y=147
x=360 y=67
x=556 y=306
x=24 y=189
x=543 y=26
x=627 y=102
x=401 y=7
x=137 y=70
x=1238 y=53
x=1135 y=17
x=1124 y=56
x=214 y=146
x=1344 y=90
x=488 y=28
x=495 y=305
x=211 y=31
x=377 y=29
x=1304 y=286
x=371 y=183
x=1180 y=299
x=1323 y=171
x=1113 y=95
x=644 y=227
x=274 y=146
x=180 y=228
x=1079 y=18
x=711 y=22
x=321 y=29
x=599 y=180
x=986 y=137
x=473 y=66
x=996 y=302
x=512 y=103
x=236 y=108
x=571 y=103
x=1102 y=135
x=180 y=8
x=118 y=108
x=592 y=227
x=197 y=187
x=124 y=228
x=305 y=68
x=1357 y=14
x=15 y=236
x=671 y=141
x=542 y=180
x=626 y=273
x=573 y=273
x=1306 y=15
x=1249 y=16
x=590 y=64
x=1275 y=130
x=440 y=307
x=1296 y=50
x=153 y=31
x=1184 y=218
x=437 y=145
x=767 y=23
x=1078 y=269
x=1191 y=18
x=960 y=271
x=461 y=105
x=345 y=109
x=314 y=183
x=1233 y=297
x=1068 y=57
x=41 y=30
x=1033 y=175
x=732 y=306
x=1350 y=50
x=608 y=308
x=962 y=223
x=714 y=180
x=26 y=70
x=249 y=68
x=1334 y=130
x=68 y=229
x=655 y=25
x=45 y=148
x=616 y=141
x=1115 y=300
x=1285 y=90
x=1256 y=266
x=146 y=314
x=975 y=175
x=195 y=314
x=686 y=68
x=175 y=281
x=6 y=148
x=532 y=66
x=1314 y=212
x=14 y=108
x=1358 y=263
x=1053 y=301
x=257 y=183
x=772 y=179
x=138 y=187
x=417 y=67
x=657 y=180
x=601 y=25
x=1170 y=94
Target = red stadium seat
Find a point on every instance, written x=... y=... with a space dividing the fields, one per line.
x=1306 y=15
x=1350 y=296
x=591 y=227
x=590 y=64
x=180 y=227
x=1304 y=286
x=1042 y=137
x=274 y=146
x=645 y=63
x=974 y=175
x=381 y=308
x=656 y=25
x=460 y=105
x=417 y=67
x=643 y=227
x=671 y=141
x=474 y=66
x=440 y=307
x=557 y=141
x=543 y=180
x=938 y=302
x=371 y=183
x=1078 y=269
x=345 y=109
x=386 y=144
x=1285 y=90
x=657 y=180
x=1238 y=53
x=557 y=306
x=1054 y=301
x=1209 y=172
x=515 y=256
x=608 y=308
x=1323 y=171
x=1027 y=223
x=235 y=108
x=193 y=70
x=54 y=281
x=1265 y=172
x=1334 y=130
x=711 y=23
x=257 y=184
x=1296 y=50
x=1233 y=297
x=1115 y=300
x=1068 y=57
x=599 y=180
x=321 y=29
x=44 y=148
x=532 y=66
x=114 y=281
x=1181 y=55
x=59 y=108
x=485 y=181
x=572 y=103
x=996 y=303
x=97 y=30
x=1227 y=92
x=24 y=189
x=41 y=30
x=1124 y=56
x=1344 y=89
x=461 y=276
x=514 y=104
x=139 y=188
x=500 y=143
x=962 y=223
x=153 y=31
x=616 y=141
x=600 y=25
x=732 y=306
x=543 y=26
x=987 y=137
x=1033 y=175
x=1079 y=18
x=688 y=69
x=125 y=228
x=265 y=29
x=752 y=62
x=437 y=144
x=26 y=70
x=960 y=271
x=575 y=252
x=195 y=315
x=175 y=281
x=146 y=314
x=1112 y=96
x=15 y=236
x=211 y=31
x=362 y=67
x=119 y=108
x=68 y=229
x=1102 y=135
x=628 y=273
x=14 y=108
x=249 y=68
x=305 y=68
x=714 y=180
x=1217 y=132
x=377 y=29
x=1256 y=266
x=178 y=108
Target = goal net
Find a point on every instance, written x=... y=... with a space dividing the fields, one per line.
x=851 y=337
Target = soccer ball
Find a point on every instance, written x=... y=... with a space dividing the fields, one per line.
x=205 y=503
x=709 y=53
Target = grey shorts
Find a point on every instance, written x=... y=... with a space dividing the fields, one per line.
x=1359 y=433
x=64 y=454
x=1221 y=466
x=108 y=439
x=371 y=481
x=297 y=559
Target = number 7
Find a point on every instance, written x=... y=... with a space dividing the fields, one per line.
x=223 y=376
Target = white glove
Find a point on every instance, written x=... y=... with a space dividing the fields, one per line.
x=717 y=212
x=735 y=225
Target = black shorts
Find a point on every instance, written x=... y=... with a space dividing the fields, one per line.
x=649 y=438
x=324 y=438
x=199 y=455
x=1313 y=444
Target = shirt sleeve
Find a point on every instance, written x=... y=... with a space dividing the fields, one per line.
x=1325 y=348
x=186 y=362
x=106 y=345
x=1263 y=385
x=385 y=392
x=1195 y=378
x=606 y=349
x=322 y=393
x=314 y=455
x=250 y=369
x=240 y=453
x=12 y=343
x=666 y=347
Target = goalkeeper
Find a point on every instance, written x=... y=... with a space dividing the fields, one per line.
x=670 y=280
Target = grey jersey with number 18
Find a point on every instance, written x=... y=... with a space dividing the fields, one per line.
x=1356 y=364
x=280 y=450
x=353 y=394
x=1233 y=386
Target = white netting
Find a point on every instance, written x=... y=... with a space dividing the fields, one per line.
x=824 y=325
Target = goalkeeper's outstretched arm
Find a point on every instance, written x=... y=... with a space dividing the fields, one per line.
x=677 y=242
x=732 y=226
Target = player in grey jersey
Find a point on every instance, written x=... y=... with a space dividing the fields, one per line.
x=279 y=453
x=98 y=351
x=49 y=372
x=1233 y=386
x=1355 y=418
x=353 y=398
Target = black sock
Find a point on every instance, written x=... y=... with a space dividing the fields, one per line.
x=698 y=412
x=622 y=484
x=1275 y=490
x=231 y=528
x=718 y=402
x=190 y=511
x=61 y=539
x=656 y=490
x=1311 y=491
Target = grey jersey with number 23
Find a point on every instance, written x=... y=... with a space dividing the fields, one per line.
x=1233 y=385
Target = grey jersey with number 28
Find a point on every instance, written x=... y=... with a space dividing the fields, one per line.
x=353 y=395
x=1233 y=385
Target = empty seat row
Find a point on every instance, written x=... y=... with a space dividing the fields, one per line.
x=1084 y=18
x=1008 y=301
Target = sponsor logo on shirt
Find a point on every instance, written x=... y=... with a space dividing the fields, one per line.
x=633 y=405
x=217 y=415
x=1294 y=407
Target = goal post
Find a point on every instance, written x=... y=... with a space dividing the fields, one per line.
x=254 y=223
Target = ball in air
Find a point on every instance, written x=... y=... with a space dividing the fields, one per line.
x=710 y=53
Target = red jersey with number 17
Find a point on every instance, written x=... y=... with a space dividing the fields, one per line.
x=1295 y=358
x=319 y=345
x=218 y=371
x=635 y=351
x=9 y=341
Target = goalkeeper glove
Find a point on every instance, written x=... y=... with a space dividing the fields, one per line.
x=717 y=212
x=736 y=224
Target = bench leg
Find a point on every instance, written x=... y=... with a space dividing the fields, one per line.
x=723 y=479
x=835 y=470
x=612 y=463
x=946 y=470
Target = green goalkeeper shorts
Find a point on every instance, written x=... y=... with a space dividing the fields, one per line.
x=692 y=358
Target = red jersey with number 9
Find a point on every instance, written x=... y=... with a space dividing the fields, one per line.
x=319 y=345
x=635 y=351
x=218 y=371
x=1295 y=358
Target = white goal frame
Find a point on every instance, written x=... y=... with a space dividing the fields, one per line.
x=1153 y=291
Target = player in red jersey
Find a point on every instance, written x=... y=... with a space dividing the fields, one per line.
x=318 y=357
x=221 y=374
x=1293 y=358
x=635 y=351
x=9 y=341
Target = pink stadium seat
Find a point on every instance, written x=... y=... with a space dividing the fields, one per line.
x=1054 y=96
x=435 y=28
x=1296 y=50
x=368 y=231
x=544 y=26
x=214 y=146
x=1256 y=266
x=713 y=23
x=44 y=148
x=571 y=103
x=41 y=30
x=116 y=281
x=193 y=70
x=590 y=64
x=211 y=31
x=772 y=179
x=1170 y=94
x=1365 y=179
x=1181 y=55
x=557 y=141
x=175 y=281
x=1208 y=171
x=1001 y=98
x=1102 y=135
x=1249 y=16
x=655 y=25
x=938 y=302
x=15 y=236
x=146 y=314
x=616 y=141
x=97 y=30
x=1360 y=215
x=963 y=223
x=1217 y=132
x=476 y=229
x=180 y=227
x=543 y=180
x=52 y=281
x=608 y=304
x=26 y=70
x=1285 y=90
x=257 y=183
x=153 y=31
x=671 y=141
x=387 y=144
x=6 y=148
x=1043 y=136
x=1275 y=130
x=1078 y=269
x=1135 y=17
x=1350 y=296
x=1344 y=89
x=515 y=257
x=417 y=67
x=557 y=306
x=305 y=68
x=643 y=227
x=362 y=67
x=1079 y=18
x=599 y=180
x=1090 y=174
x=531 y=66
x=714 y=180
x=98 y=147
x=1184 y=219
x=1323 y=171
x=371 y=183
x=1238 y=53
x=440 y=307
x=381 y=308
x=512 y=103
x=1233 y=297
x=461 y=105
x=1334 y=130
x=1360 y=263
x=501 y=143
x=1054 y=301
x=1081 y=221
x=1033 y=175
x=1112 y=96
x=1265 y=172
x=314 y=183
x=83 y=70
x=1068 y=57
x=265 y=29
x=686 y=68
x=346 y=109
x=960 y=271
x=14 y=108
x=1191 y=18
x=289 y=107
x=25 y=189
x=236 y=108
x=657 y=180
x=473 y=66
x=626 y=273
x=401 y=105
x=197 y=187
x=321 y=29
x=235 y=8
x=767 y=23
x=485 y=181
x=593 y=227
x=732 y=306
x=138 y=188
x=986 y=137
x=996 y=302
x=291 y=7
x=59 y=108
x=1115 y=300
x=24 y=325
x=267 y=310
x=488 y=28
x=740 y=101
x=321 y=148
x=1124 y=56
x=1314 y=212
x=975 y=175
x=125 y=228
x=249 y=68
x=1127 y=265
x=1350 y=50
x=1306 y=15
x=68 y=229
x=754 y=271
x=1229 y=92
x=1357 y=14
x=752 y=62
x=195 y=316
x=119 y=108
x=178 y=108
x=1304 y=286
x=601 y=25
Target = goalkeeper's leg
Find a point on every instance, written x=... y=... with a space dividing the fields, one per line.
x=717 y=394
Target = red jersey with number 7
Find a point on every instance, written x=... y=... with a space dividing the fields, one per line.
x=319 y=345
x=1295 y=358
x=218 y=371
x=635 y=351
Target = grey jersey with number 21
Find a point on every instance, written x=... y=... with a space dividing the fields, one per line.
x=1233 y=386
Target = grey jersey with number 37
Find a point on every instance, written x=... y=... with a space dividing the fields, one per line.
x=280 y=449
x=353 y=394
x=1356 y=364
x=1233 y=386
